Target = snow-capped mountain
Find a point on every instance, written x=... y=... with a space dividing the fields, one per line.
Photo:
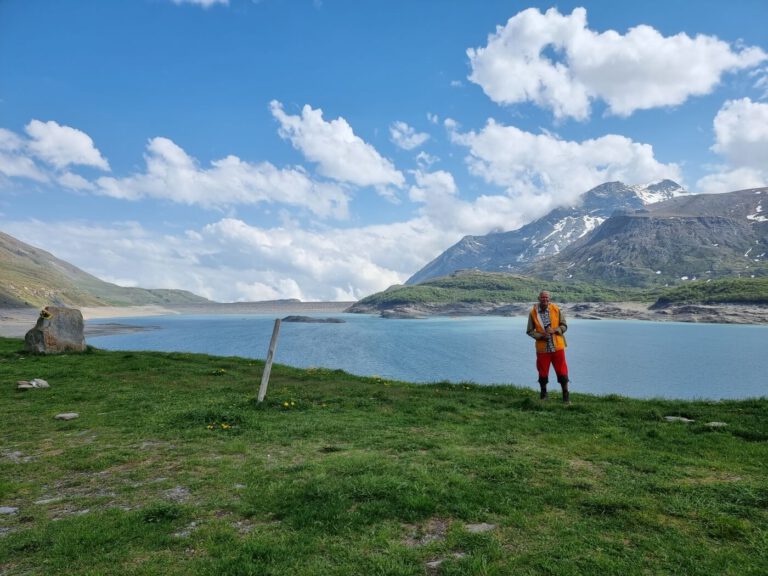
x=515 y=250
x=701 y=236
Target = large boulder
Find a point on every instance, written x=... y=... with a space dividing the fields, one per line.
x=58 y=329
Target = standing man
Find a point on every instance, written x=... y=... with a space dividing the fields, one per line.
x=546 y=325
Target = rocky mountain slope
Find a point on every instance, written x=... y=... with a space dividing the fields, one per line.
x=33 y=277
x=515 y=251
x=702 y=236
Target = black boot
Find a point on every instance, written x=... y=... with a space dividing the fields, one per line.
x=543 y=381
x=563 y=380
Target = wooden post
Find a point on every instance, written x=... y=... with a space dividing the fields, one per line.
x=268 y=365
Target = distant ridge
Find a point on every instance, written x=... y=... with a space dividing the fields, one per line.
x=31 y=277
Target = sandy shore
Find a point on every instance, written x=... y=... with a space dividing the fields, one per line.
x=16 y=322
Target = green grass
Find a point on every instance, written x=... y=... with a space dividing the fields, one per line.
x=172 y=468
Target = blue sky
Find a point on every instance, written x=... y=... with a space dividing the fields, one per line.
x=327 y=149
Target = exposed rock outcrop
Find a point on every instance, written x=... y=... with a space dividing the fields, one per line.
x=58 y=329
x=313 y=320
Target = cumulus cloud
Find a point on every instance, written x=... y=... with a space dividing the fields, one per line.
x=741 y=138
x=14 y=162
x=730 y=180
x=426 y=160
x=47 y=154
x=406 y=137
x=230 y=260
x=63 y=146
x=741 y=133
x=557 y=62
x=453 y=217
x=339 y=153
x=544 y=170
x=173 y=175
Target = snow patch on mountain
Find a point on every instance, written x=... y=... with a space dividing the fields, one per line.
x=757 y=216
x=658 y=192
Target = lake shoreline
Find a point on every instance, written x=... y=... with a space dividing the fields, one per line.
x=702 y=313
x=15 y=322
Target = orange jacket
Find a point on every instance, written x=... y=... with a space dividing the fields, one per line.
x=536 y=330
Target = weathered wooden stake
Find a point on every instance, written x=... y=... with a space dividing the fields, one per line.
x=268 y=365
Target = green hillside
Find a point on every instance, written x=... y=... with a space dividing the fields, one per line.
x=490 y=287
x=724 y=291
x=33 y=277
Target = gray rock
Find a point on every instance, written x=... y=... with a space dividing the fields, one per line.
x=678 y=419
x=58 y=329
x=312 y=319
x=8 y=510
x=67 y=416
x=480 y=528
x=715 y=424
x=30 y=384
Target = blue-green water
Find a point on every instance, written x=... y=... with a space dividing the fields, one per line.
x=631 y=358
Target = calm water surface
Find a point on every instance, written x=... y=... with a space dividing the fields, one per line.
x=632 y=358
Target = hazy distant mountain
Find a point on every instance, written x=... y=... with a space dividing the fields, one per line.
x=515 y=251
x=692 y=237
x=33 y=277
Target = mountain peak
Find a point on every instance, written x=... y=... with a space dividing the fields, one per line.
x=549 y=235
x=659 y=191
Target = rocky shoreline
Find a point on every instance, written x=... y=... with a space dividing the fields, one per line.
x=14 y=323
x=706 y=313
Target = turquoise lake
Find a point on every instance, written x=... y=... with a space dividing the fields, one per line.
x=631 y=358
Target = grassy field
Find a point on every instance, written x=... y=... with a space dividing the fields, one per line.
x=172 y=468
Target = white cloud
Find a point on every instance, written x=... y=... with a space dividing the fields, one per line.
x=741 y=138
x=62 y=146
x=731 y=180
x=339 y=153
x=555 y=61
x=231 y=260
x=451 y=218
x=203 y=3
x=546 y=171
x=173 y=175
x=741 y=133
x=14 y=159
x=425 y=160
x=75 y=182
x=406 y=136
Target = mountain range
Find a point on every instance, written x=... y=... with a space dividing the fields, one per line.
x=626 y=236
x=654 y=235
x=33 y=277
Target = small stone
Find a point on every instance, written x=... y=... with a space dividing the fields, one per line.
x=67 y=416
x=40 y=383
x=24 y=385
x=8 y=510
x=678 y=419
x=715 y=424
x=480 y=528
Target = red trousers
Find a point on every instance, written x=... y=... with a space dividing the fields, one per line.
x=556 y=359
